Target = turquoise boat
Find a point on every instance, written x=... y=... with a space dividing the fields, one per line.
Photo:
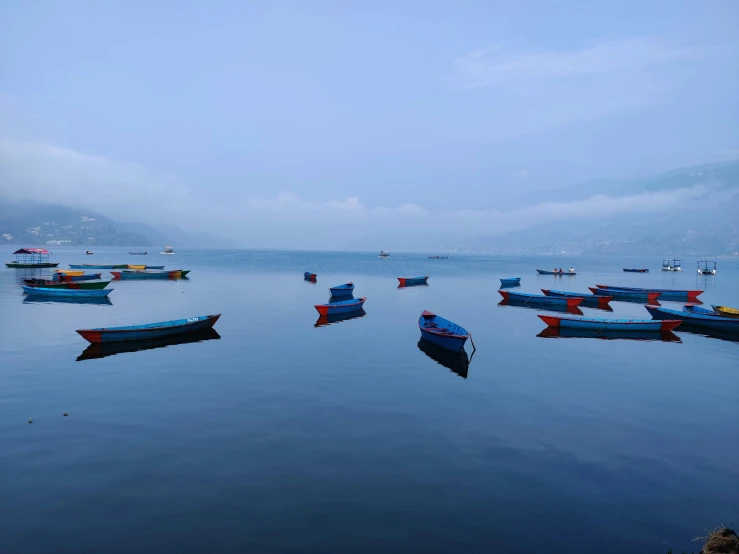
x=67 y=293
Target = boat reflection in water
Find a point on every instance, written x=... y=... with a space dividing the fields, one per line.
x=337 y=318
x=566 y=333
x=534 y=306
x=457 y=362
x=104 y=349
x=720 y=334
x=104 y=301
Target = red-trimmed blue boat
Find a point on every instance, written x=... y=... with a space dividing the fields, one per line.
x=69 y=293
x=312 y=277
x=589 y=300
x=566 y=333
x=627 y=295
x=129 y=274
x=665 y=294
x=342 y=290
x=412 y=281
x=540 y=299
x=636 y=270
x=150 y=330
x=442 y=332
x=510 y=282
x=600 y=324
x=545 y=272
x=695 y=319
x=341 y=307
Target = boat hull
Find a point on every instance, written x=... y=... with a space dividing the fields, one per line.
x=64 y=278
x=545 y=272
x=513 y=282
x=636 y=270
x=725 y=311
x=312 y=277
x=19 y=265
x=149 y=331
x=343 y=307
x=627 y=295
x=696 y=320
x=588 y=300
x=412 y=281
x=665 y=294
x=69 y=293
x=105 y=349
x=144 y=274
x=74 y=285
x=442 y=332
x=599 y=324
x=342 y=290
x=541 y=300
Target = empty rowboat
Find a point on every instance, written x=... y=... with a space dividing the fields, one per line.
x=68 y=293
x=725 y=311
x=665 y=294
x=589 y=300
x=627 y=295
x=636 y=270
x=346 y=289
x=412 y=281
x=341 y=307
x=73 y=285
x=129 y=274
x=545 y=272
x=600 y=324
x=149 y=330
x=695 y=319
x=442 y=332
x=540 y=299
x=310 y=277
x=510 y=282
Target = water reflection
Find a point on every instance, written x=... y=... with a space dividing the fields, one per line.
x=564 y=333
x=543 y=308
x=457 y=362
x=104 y=301
x=730 y=336
x=336 y=318
x=416 y=285
x=103 y=350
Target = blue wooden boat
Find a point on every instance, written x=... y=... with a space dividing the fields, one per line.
x=68 y=293
x=412 y=281
x=566 y=333
x=693 y=309
x=442 y=332
x=105 y=349
x=695 y=319
x=457 y=362
x=636 y=270
x=324 y=320
x=104 y=301
x=342 y=290
x=601 y=324
x=627 y=295
x=589 y=300
x=149 y=330
x=129 y=274
x=511 y=282
x=665 y=294
x=545 y=272
x=342 y=307
x=65 y=278
x=310 y=277
x=541 y=299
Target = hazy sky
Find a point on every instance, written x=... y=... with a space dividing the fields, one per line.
x=285 y=122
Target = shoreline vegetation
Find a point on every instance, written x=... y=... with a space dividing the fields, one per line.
x=720 y=540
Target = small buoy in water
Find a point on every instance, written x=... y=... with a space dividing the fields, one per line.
x=65 y=414
x=30 y=420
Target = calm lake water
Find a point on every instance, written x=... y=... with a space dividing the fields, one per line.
x=281 y=436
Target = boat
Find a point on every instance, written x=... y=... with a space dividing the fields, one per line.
x=545 y=272
x=383 y=254
x=342 y=290
x=636 y=270
x=628 y=295
x=324 y=320
x=149 y=330
x=341 y=307
x=89 y=252
x=312 y=277
x=567 y=333
x=438 y=257
x=132 y=266
x=71 y=293
x=725 y=311
x=71 y=272
x=138 y=253
x=671 y=265
x=105 y=349
x=695 y=309
x=129 y=274
x=66 y=278
x=412 y=281
x=442 y=332
x=706 y=267
x=589 y=300
x=31 y=258
x=85 y=300
x=510 y=282
x=665 y=294
x=98 y=266
x=704 y=321
x=167 y=250
x=601 y=324
x=456 y=362
x=74 y=285
x=540 y=299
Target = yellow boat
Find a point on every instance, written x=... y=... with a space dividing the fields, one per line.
x=130 y=266
x=72 y=272
x=726 y=311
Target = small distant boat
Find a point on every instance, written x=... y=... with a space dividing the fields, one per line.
x=383 y=254
x=600 y=324
x=545 y=272
x=510 y=282
x=671 y=265
x=66 y=278
x=149 y=330
x=438 y=257
x=31 y=258
x=665 y=294
x=312 y=277
x=457 y=362
x=98 y=266
x=636 y=270
x=342 y=307
x=128 y=274
x=589 y=300
x=520 y=297
x=89 y=252
x=70 y=272
x=725 y=311
x=342 y=290
x=74 y=285
x=695 y=319
x=71 y=293
x=442 y=332
x=706 y=267
x=138 y=253
x=167 y=250
x=632 y=295
x=412 y=281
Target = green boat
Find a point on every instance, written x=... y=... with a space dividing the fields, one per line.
x=31 y=258
x=47 y=284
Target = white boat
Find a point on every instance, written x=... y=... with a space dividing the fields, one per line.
x=383 y=254
x=168 y=250
x=671 y=265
